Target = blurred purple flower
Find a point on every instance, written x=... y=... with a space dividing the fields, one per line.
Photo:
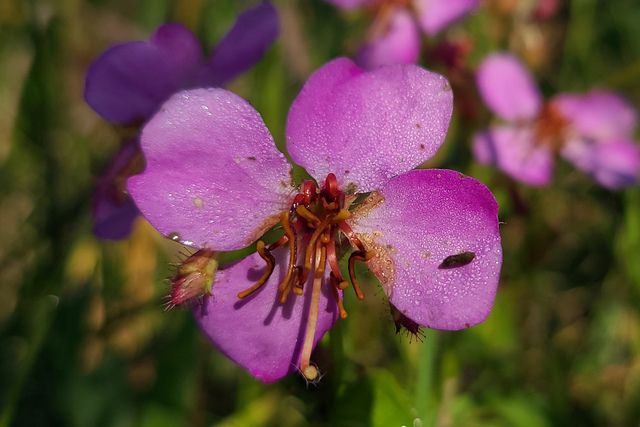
x=430 y=236
x=128 y=83
x=594 y=131
x=394 y=35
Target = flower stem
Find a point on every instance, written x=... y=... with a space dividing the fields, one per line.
x=425 y=388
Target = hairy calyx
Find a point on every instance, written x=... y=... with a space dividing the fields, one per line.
x=310 y=227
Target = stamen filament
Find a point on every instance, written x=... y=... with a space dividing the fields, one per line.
x=286 y=286
x=293 y=246
x=271 y=262
x=335 y=285
x=351 y=235
x=333 y=262
x=308 y=256
x=341 y=216
x=308 y=215
x=358 y=256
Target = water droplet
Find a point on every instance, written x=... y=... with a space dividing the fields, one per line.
x=174 y=235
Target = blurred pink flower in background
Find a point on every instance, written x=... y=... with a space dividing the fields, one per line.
x=593 y=131
x=394 y=35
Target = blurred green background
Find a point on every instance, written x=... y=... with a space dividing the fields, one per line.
x=83 y=337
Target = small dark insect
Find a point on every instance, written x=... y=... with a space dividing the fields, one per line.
x=457 y=260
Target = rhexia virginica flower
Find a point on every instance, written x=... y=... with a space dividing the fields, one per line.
x=394 y=35
x=214 y=179
x=594 y=131
x=128 y=83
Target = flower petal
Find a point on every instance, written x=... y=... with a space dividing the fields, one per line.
x=614 y=164
x=427 y=217
x=400 y=43
x=258 y=332
x=129 y=81
x=435 y=15
x=181 y=51
x=508 y=88
x=599 y=114
x=113 y=210
x=245 y=44
x=214 y=177
x=514 y=151
x=367 y=127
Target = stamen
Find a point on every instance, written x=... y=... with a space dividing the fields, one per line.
x=331 y=186
x=308 y=256
x=286 y=286
x=335 y=285
x=309 y=371
x=309 y=191
x=358 y=256
x=271 y=262
x=341 y=216
x=308 y=215
x=333 y=262
x=351 y=235
x=293 y=249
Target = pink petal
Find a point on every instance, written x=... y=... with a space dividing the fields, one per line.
x=399 y=43
x=214 y=177
x=428 y=216
x=367 y=127
x=508 y=88
x=514 y=151
x=614 y=164
x=258 y=332
x=599 y=114
x=435 y=15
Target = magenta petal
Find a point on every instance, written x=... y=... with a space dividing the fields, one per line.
x=367 y=127
x=258 y=332
x=245 y=44
x=428 y=216
x=214 y=177
x=614 y=164
x=508 y=88
x=514 y=151
x=435 y=15
x=400 y=43
x=599 y=114
x=128 y=82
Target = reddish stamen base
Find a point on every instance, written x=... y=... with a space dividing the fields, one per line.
x=318 y=215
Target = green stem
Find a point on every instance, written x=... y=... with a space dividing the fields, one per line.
x=426 y=396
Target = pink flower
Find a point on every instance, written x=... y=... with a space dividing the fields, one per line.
x=215 y=180
x=594 y=131
x=395 y=31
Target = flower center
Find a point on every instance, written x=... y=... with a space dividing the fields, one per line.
x=381 y=16
x=311 y=225
x=551 y=127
